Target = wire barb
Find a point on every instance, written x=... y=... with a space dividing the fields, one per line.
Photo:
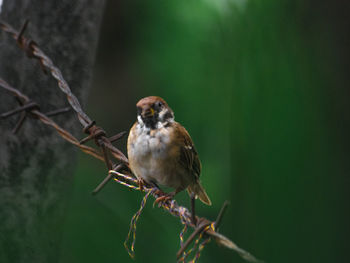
x=57 y=112
x=202 y=225
x=26 y=107
x=197 y=247
x=221 y=214
x=46 y=120
x=132 y=229
x=106 y=180
x=19 y=123
x=117 y=136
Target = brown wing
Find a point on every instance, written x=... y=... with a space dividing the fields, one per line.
x=189 y=160
x=188 y=155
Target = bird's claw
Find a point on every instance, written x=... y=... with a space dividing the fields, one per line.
x=163 y=199
x=141 y=183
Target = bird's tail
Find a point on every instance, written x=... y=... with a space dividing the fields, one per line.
x=199 y=191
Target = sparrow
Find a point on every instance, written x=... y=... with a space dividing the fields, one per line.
x=161 y=151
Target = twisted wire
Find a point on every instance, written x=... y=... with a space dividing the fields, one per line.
x=203 y=244
x=132 y=229
x=173 y=208
x=63 y=85
x=33 y=50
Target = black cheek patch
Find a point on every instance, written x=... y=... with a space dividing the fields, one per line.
x=168 y=115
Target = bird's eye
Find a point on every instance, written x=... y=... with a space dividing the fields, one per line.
x=158 y=105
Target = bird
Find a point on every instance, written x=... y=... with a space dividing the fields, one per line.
x=161 y=151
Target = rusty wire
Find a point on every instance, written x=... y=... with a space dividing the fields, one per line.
x=33 y=51
x=204 y=228
x=48 y=121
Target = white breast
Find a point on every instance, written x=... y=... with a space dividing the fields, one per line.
x=149 y=142
x=149 y=153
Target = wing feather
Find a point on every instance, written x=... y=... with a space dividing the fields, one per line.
x=188 y=154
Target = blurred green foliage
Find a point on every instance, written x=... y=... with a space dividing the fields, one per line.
x=249 y=83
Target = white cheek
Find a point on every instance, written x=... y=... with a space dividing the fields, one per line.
x=159 y=125
x=163 y=113
x=139 y=120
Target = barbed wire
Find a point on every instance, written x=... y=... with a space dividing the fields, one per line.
x=34 y=112
x=203 y=228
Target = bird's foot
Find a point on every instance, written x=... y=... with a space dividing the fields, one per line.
x=164 y=198
x=141 y=183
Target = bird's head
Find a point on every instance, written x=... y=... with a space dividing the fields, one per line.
x=153 y=111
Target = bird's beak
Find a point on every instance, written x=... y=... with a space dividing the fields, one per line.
x=146 y=113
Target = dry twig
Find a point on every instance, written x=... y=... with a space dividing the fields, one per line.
x=203 y=228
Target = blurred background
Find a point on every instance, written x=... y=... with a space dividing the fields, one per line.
x=262 y=87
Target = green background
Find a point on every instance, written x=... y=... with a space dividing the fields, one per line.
x=262 y=88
